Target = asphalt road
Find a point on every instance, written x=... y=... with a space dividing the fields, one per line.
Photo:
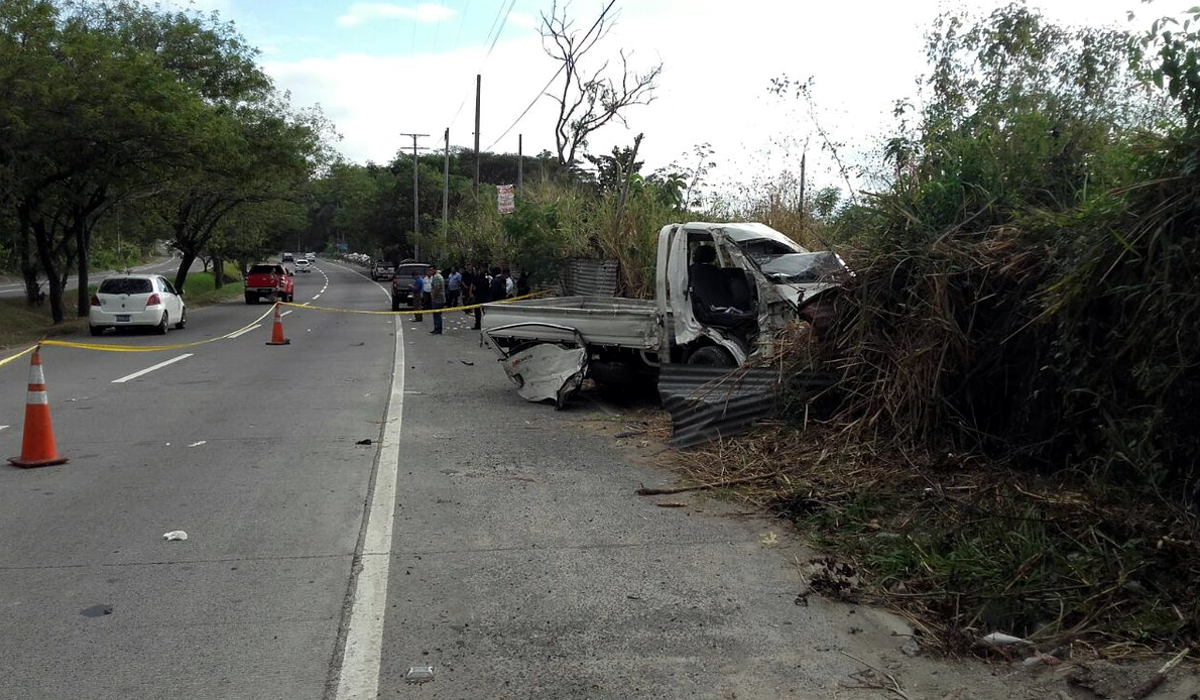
x=163 y=266
x=497 y=541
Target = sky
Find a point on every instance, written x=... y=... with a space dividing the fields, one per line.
x=382 y=69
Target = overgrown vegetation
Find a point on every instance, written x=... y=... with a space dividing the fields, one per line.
x=1013 y=446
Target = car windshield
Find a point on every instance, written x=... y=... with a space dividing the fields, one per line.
x=126 y=285
x=263 y=270
x=802 y=267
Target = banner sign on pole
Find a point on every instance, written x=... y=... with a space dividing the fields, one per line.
x=504 y=195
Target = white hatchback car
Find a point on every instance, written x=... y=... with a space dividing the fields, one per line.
x=149 y=301
x=303 y=265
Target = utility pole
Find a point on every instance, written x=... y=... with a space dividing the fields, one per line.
x=478 y=88
x=803 y=159
x=416 y=209
x=446 y=191
x=520 y=163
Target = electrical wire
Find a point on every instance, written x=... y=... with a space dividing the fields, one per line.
x=553 y=77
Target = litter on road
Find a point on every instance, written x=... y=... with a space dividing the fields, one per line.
x=419 y=674
x=197 y=444
x=175 y=536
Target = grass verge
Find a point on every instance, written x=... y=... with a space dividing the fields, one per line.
x=964 y=548
x=21 y=323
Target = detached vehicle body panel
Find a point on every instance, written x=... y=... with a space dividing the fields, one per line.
x=734 y=303
x=269 y=280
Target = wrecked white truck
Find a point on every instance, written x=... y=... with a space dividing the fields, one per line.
x=725 y=294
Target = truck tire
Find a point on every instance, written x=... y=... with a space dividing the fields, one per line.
x=251 y=298
x=395 y=304
x=712 y=356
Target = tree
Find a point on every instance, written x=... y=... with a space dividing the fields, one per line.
x=611 y=171
x=73 y=142
x=589 y=101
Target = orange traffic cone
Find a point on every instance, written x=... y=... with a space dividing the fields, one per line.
x=37 y=446
x=277 y=332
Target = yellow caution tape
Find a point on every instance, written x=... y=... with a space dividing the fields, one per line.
x=414 y=312
x=23 y=353
x=101 y=347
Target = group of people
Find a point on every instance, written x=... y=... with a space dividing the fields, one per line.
x=477 y=284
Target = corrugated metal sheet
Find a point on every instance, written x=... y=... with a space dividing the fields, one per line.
x=590 y=277
x=708 y=402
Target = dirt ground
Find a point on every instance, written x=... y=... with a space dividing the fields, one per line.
x=888 y=656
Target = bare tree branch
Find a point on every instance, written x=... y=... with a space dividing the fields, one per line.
x=587 y=102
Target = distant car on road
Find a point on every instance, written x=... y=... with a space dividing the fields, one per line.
x=149 y=301
x=288 y=257
x=310 y=256
x=303 y=265
x=383 y=270
x=266 y=279
x=402 y=283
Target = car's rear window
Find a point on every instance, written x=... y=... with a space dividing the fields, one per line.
x=126 y=285
x=263 y=269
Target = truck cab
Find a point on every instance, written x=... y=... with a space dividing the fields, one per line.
x=728 y=292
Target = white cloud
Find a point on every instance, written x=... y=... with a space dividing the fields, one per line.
x=524 y=20
x=363 y=12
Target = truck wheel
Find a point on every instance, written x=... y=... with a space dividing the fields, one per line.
x=395 y=304
x=251 y=298
x=711 y=356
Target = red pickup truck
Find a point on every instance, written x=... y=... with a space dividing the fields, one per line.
x=267 y=279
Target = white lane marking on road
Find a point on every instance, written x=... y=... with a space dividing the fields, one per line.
x=359 y=675
x=2 y=427
x=285 y=313
x=244 y=331
x=318 y=296
x=148 y=370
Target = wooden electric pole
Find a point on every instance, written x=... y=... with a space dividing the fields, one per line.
x=520 y=163
x=478 y=88
x=416 y=208
x=446 y=190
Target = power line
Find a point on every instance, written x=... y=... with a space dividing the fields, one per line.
x=497 y=27
x=498 y=32
x=531 y=104
x=553 y=77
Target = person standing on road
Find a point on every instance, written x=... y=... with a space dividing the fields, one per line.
x=479 y=293
x=437 y=296
x=496 y=288
x=418 y=292
x=427 y=288
x=453 y=288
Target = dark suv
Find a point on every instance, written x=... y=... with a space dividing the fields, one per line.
x=402 y=283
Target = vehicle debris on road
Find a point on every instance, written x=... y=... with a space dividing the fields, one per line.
x=175 y=536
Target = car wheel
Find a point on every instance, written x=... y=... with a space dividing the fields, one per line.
x=395 y=305
x=164 y=325
x=182 y=319
x=96 y=330
x=711 y=356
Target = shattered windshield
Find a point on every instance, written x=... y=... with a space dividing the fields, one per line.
x=803 y=267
